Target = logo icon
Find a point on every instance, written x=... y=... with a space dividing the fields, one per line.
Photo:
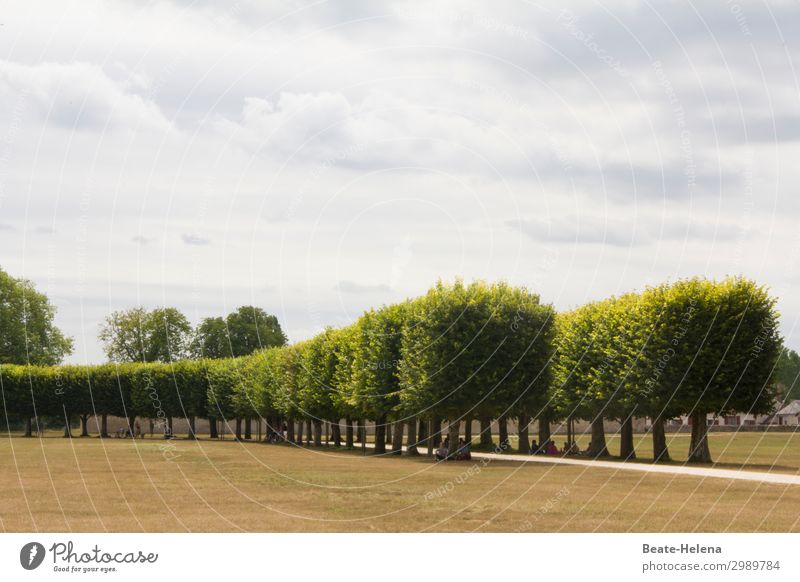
x=31 y=555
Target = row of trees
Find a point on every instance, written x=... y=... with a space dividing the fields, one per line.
x=462 y=352
x=685 y=349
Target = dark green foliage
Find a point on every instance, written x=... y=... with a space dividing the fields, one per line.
x=246 y=330
x=28 y=334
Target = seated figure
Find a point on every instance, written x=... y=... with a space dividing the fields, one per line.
x=463 y=453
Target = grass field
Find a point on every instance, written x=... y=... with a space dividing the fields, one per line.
x=89 y=484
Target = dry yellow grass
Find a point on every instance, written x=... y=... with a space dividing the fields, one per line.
x=89 y=484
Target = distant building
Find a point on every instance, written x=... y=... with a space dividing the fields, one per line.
x=732 y=420
x=789 y=415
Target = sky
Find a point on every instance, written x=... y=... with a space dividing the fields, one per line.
x=318 y=158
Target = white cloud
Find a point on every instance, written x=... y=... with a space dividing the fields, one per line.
x=348 y=154
x=78 y=95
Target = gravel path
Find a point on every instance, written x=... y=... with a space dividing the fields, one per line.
x=740 y=475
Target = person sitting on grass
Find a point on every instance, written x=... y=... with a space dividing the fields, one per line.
x=441 y=453
x=574 y=449
x=534 y=448
x=463 y=453
x=552 y=449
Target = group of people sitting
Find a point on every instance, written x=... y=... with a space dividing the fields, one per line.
x=549 y=447
x=462 y=451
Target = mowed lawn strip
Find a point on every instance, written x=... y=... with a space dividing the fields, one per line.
x=118 y=485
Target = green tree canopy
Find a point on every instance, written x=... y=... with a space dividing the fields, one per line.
x=28 y=334
x=138 y=335
x=241 y=333
x=787 y=374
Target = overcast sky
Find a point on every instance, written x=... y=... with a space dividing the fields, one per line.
x=319 y=158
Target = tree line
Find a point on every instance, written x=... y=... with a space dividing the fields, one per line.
x=482 y=351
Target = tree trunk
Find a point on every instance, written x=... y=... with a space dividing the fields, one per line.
x=660 y=450
x=84 y=425
x=436 y=433
x=212 y=427
x=452 y=434
x=299 y=435
x=468 y=429
x=486 y=432
x=248 y=429
x=104 y=426
x=397 y=437
x=626 y=449
x=411 y=446
x=131 y=424
x=192 y=428
x=698 y=449
x=597 y=446
x=524 y=445
x=290 y=430
x=169 y=424
x=502 y=424
x=570 y=433
x=309 y=433
x=336 y=433
x=28 y=427
x=348 y=433
x=429 y=431
x=274 y=424
x=317 y=433
x=544 y=430
x=380 y=435
x=422 y=432
x=388 y=434
x=361 y=430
